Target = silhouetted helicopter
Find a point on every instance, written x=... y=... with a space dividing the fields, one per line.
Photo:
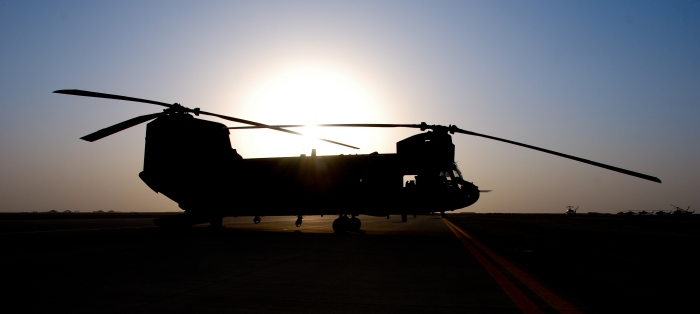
x=681 y=211
x=191 y=161
x=570 y=210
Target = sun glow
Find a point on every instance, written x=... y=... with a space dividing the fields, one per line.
x=310 y=94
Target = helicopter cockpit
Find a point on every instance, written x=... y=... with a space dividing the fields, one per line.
x=446 y=177
x=451 y=178
x=443 y=187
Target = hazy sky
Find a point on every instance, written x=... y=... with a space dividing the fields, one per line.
x=617 y=82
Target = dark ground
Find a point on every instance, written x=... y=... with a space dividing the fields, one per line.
x=606 y=263
x=98 y=263
x=126 y=265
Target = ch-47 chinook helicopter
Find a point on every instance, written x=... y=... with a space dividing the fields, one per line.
x=191 y=161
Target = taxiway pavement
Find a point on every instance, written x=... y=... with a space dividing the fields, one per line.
x=129 y=266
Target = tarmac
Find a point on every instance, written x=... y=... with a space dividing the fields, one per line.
x=467 y=263
x=128 y=265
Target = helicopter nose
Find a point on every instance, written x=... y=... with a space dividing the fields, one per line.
x=469 y=194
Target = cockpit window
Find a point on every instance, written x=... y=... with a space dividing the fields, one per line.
x=446 y=175
x=457 y=173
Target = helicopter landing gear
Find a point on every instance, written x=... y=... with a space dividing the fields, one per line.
x=340 y=225
x=442 y=214
x=256 y=220
x=343 y=224
x=298 y=223
x=354 y=224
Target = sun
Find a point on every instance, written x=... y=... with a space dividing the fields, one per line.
x=309 y=94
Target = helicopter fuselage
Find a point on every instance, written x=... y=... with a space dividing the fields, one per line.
x=191 y=161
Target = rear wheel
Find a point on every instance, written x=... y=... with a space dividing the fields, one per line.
x=354 y=224
x=340 y=225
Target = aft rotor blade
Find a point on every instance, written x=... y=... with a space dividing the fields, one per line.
x=77 y=92
x=590 y=162
x=265 y=126
x=361 y=125
x=119 y=127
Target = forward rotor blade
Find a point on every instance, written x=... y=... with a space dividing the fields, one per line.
x=129 y=123
x=119 y=127
x=77 y=92
x=257 y=125
x=590 y=162
x=361 y=125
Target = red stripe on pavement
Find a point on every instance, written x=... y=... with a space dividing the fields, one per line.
x=511 y=290
x=547 y=295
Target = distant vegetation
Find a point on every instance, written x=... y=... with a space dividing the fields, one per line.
x=67 y=214
x=78 y=212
